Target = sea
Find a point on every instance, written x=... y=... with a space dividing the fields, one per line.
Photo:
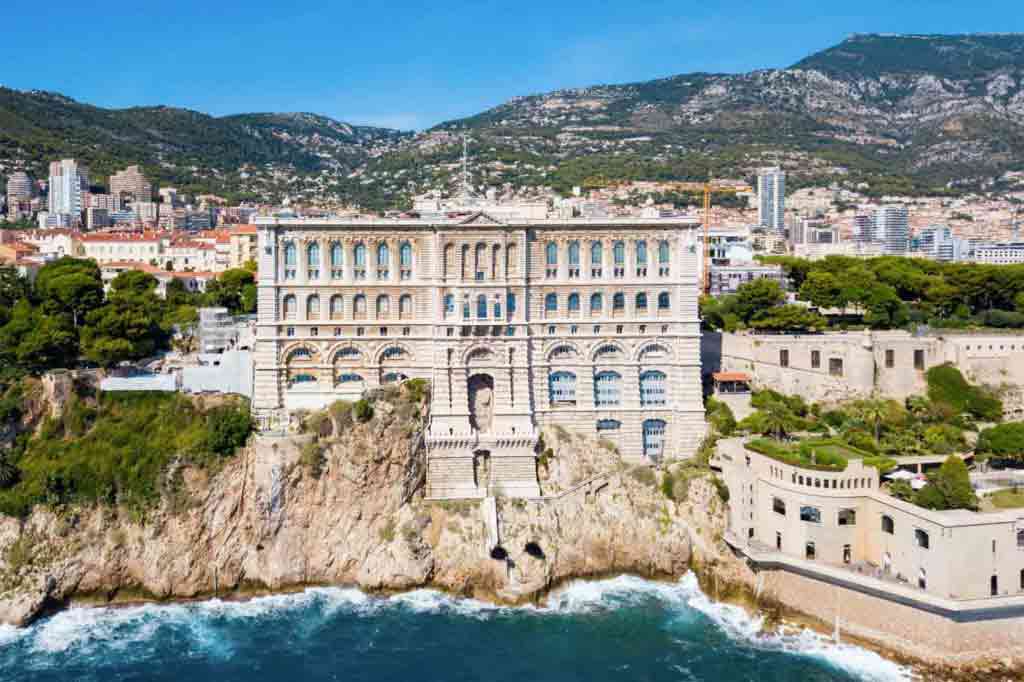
x=621 y=628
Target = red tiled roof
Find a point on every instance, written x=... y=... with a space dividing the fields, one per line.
x=730 y=376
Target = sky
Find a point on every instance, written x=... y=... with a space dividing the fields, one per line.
x=411 y=65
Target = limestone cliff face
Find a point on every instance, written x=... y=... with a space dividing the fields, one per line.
x=266 y=521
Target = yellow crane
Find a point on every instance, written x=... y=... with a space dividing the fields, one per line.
x=709 y=188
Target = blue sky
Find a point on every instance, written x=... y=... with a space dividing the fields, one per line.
x=414 y=64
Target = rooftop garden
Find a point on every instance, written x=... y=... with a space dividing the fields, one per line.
x=876 y=431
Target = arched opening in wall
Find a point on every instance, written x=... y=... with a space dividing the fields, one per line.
x=481 y=402
x=654 y=439
x=482 y=468
x=393 y=378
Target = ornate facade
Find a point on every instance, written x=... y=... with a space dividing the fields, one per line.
x=589 y=324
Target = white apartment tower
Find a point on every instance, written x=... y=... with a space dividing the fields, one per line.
x=69 y=181
x=771 y=199
x=130 y=185
x=518 y=321
x=19 y=191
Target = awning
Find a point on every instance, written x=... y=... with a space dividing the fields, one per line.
x=730 y=376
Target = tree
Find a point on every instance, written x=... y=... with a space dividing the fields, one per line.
x=35 y=341
x=13 y=287
x=789 y=318
x=822 y=289
x=127 y=326
x=228 y=429
x=235 y=290
x=949 y=487
x=70 y=286
x=1005 y=441
x=872 y=412
x=758 y=296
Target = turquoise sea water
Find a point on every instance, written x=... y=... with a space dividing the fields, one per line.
x=618 y=629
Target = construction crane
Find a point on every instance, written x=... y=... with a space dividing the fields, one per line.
x=709 y=188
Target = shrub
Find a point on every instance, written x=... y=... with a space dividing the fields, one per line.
x=227 y=429
x=947 y=385
x=721 y=417
x=362 y=411
x=341 y=413
x=312 y=458
x=418 y=389
x=883 y=464
x=1005 y=441
x=644 y=474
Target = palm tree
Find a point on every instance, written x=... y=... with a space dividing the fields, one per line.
x=874 y=412
x=776 y=421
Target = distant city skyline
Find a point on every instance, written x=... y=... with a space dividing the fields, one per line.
x=411 y=66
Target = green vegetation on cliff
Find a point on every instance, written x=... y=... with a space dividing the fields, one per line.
x=116 y=449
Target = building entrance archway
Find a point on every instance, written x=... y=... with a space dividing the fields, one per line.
x=481 y=402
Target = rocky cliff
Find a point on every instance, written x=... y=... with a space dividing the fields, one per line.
x=328 y=508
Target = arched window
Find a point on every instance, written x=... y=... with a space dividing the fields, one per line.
x=405 y=306
x=449 y=260
x=608 y=425
x=313 y=307
x=349 y=378
x=663 y=252
x=607 y=389
x=562 y=387
x=495 y=260
x=574 y=303
x=383 y=306
x=480 y=264
x=641 y=253
x=360 y=255
x=888 y=525
x=641 y=302
x=337 y=255
x=481 y=307
x=596 y=303
x=551 y=254
x=347 y=353
x=383 y=254
x=551 y=303
x=608 y=352
x=359 y=305
x=302 y=379
x=393 y=353
x=290 y=307
x=449 y=305
x=574 y=253
x=654 y=439
x=664 y=302
x=465 y=261
x=511 y=262
x=596 y=253
x=652 y=388
x=619 y=252
x=510 y=304
x=393 y=378
x=619 y=302
x=405 y=255
x=289 y=255
x=337 y=307
x=313 y=256
x=300 y=354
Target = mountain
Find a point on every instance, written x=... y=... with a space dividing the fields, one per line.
x=886 y=114
x=245 y=154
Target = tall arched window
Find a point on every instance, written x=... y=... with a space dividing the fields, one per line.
x=290 y=307
x=596 y=253
x=551 y=254
x=383 y=254
x=383 y=306
x=607 y=389
x=359 y=306
x=652 y=388
x=551 y=303
x=449 y=305
x=449 y=260
x=663 y=252
x=574 y=253
x=313 y=256
x=641 y=302
x=337 y=309
x=641 y=253
x=480 y=262
x=510 y=304
x=360 y=255
x=289 y=255
x=619 y=301
x=511 y=260
x=574 y=303
x=405 y=306
x=495 y=261
x=337 y=260
x=664 y=301
x=481 y=307
x=405 y=255
x=562 y=388
x=313 y=307
x=619 y=252
x=654 y=439
x=464 y=266
x=596 y=303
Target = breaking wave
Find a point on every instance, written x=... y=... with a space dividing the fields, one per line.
x=217 y=630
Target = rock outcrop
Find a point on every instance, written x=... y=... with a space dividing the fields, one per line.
x=286 y=512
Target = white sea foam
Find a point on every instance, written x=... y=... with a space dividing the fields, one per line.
x=84 y=631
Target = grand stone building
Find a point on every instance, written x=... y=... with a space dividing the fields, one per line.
x=518 y=321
